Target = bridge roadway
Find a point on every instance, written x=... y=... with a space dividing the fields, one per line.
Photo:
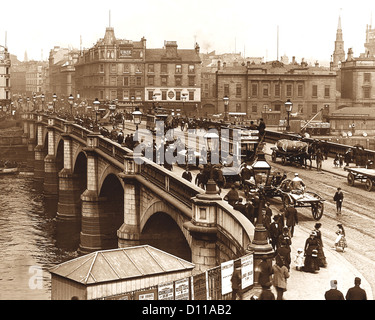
x=359 y=258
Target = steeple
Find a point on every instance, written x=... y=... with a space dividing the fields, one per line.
x=339 y=52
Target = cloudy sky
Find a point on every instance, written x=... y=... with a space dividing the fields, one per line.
x=307 y=29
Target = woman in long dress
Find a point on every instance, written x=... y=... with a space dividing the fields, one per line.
x=311 y=253
x=321 y=255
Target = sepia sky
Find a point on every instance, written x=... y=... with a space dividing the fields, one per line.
x=307 y=29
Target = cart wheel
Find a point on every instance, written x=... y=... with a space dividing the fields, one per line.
x=273 y=156
x=317 y=210
x=351 y=179
x=283 y=160
x=368 y=184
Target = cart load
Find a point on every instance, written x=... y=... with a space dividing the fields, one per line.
x=291 y=146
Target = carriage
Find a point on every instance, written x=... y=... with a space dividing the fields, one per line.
x=290 y=151
x=364 y=175
x=297 y=199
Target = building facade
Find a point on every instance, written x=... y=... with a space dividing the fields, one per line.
x=5 y=85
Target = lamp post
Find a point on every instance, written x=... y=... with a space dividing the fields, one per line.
x=288 y=109
x=54 y=98
x=260 y=246
x=132 y=98
x=183 y=104
x=212 y=145
x=34 y=101
x=154 y=97
x=71 y=101
x=137 y=118
x=42 y=97
x=28 y=104
x=96 y=108
x=226 y=105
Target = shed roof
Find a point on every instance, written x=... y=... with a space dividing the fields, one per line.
x=364 y=111
x=120 y=264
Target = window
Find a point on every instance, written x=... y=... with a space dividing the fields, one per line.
x=238 y=91
x=277 y=90
x=164 y=80
x=101 y=94
x=238 y=107
x=226 y=89
x=366 y=92
x=113 y=68
x=277 y=107
x=113 y=94
x=178 y=81
x=126 y=94
x=289 y=89
x=191 y=81
x=300 y=108
x=164 y=95
x=315 y=91
x=138 y=68
x=163 y=68
x=191 y=95
x=300 y=90
x=126 y=81
x=265 y=90
x=326 y=91
x=150 y=81
x=138 y=94
x=178 y=68
x=101 y=80
x=150 y=95
x=113 y=81
x=150 y=68
x=138 y=81
x=191 y=68
x=254 y=90
x=367 y=77
x=254 y=108
x=101 y=68
x=126 y=68
x=178 y=95
x=314 y=108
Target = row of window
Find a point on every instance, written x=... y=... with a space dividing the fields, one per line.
x=138 y=68
x=278 y=107
x=137 y=81
x=266 y=90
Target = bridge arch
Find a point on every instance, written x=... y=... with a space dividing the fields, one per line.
x=162 y=227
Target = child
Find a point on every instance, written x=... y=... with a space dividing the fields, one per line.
x=298 y=260
x=340 y=242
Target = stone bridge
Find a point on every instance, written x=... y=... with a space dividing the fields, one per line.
x=117 y=202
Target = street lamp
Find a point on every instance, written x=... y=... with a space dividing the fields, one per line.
x=212 y=145
x=260 y=246
x=132 y=98
x=54 y=98
x=28 y=103
x=154 y=97
x=96 y=108
x=71 y=101
x=226 y=105
x=288 y=109
x=137 y=118
x=34 y=101
x=183 y=104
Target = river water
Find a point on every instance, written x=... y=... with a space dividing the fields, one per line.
x=31 y=240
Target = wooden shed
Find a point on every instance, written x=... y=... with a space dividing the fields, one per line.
x=113 y=272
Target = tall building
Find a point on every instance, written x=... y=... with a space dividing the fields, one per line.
x=339 y=52
x=5 y=88
x=370 y=41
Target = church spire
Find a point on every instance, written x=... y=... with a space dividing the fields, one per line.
x=339 y=52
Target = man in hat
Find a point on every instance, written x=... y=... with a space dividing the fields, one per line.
x=334 y=293
x=232 y=196
x=338 y=198
x=297 y=183
x=187 y=174
x=291 y=216
x=274 y=232
x=356 y=292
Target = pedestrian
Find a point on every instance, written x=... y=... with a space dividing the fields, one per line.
x=298 y=259
x=311 y=253
x=338 y=198
x=261 y=128
x=267 y=219
x=291 y=216
x=199 y=179
x=341 y=160
x=285 y=237
x=250 y=211
x=340 y=242
x=334 y=293
x=232 y=195
x=321 y=256
x=356 y=292
x=265 y=272
x=239 y=206
x=266 y=293
x=236 y=282
x=319 y=160
x=284 y=251
x=280 y=276
x=274 y=232
x=187 y=174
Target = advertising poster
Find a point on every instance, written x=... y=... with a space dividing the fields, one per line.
x=165 y=291
x=247 y=271
x=146 y=295
x=226 y=275
x=181 y=290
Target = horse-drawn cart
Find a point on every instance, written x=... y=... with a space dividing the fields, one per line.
x=294 y=152
x=363 y=175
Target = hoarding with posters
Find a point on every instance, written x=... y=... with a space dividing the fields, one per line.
x=227 y=269
x=181 y=290
x=247 y=271
x=166 y=291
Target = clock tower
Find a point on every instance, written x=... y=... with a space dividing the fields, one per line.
x=339 y=52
